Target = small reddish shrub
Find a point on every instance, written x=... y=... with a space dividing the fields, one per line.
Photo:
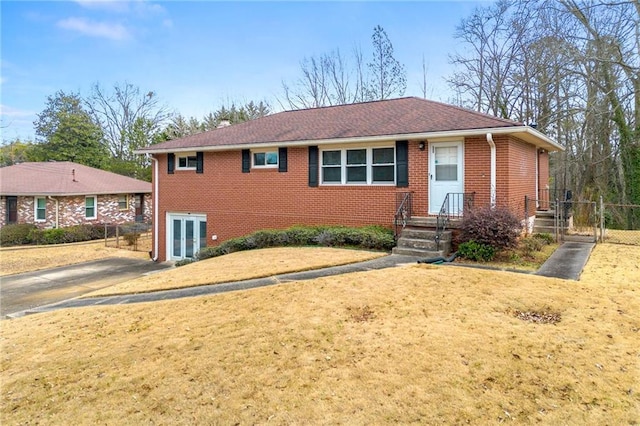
x=496 y=227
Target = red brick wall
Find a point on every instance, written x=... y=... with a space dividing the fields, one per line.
x=521 y=176
x=237 y=203
x=477 y=161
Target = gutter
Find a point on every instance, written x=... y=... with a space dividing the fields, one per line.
x=528 y=134
x=493 y=169
x=57 y=209
x=155 y=208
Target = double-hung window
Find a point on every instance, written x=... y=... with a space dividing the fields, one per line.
x=123 y=202
x=187 y=161
x=358 y=166
x=90 y=207
x=40 y=209
x=265 y=159
x=383 y=165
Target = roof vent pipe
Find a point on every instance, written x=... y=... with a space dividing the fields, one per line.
x=223 y=123
x=493 y=170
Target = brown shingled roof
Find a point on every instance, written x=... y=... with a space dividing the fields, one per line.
x=402 y=116
x=57 y=178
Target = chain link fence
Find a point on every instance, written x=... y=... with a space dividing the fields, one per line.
x=587 y=221
x=135 y=236
x=619 y=223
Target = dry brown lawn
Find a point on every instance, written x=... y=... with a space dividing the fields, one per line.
x=15 y=260
x=241 y=266
x=415 y=344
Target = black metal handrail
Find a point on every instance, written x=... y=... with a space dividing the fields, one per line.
x=454 y=204
x=403 y=212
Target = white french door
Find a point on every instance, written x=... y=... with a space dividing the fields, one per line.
x=446 y=170
x=186 y=234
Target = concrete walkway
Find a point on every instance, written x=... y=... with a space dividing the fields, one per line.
x=379 y=263
x=566 y=262
x=28 y=290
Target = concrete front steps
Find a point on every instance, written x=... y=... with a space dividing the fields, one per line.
x=418 y=238
x=544 y=222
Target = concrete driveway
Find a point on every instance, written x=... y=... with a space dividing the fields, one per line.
x=33 y=289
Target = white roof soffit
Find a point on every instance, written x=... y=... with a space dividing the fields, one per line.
x=526 y=133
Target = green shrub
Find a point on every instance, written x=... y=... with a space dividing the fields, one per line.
x=54 y=236
x=546 y=238
x=183 y=262
x=85 y=232
x=496 y=227
x=16 y=234
x=528 y=246
x=371 y=237
x=475 y=251
x=71 y=234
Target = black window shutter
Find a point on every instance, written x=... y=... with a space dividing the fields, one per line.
x=246 y=161
x=199 y=162
x=402 y=164
x=171 y=163
x=313 y=166
x=282 y=159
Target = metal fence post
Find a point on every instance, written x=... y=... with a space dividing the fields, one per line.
x=526 y=214
x=601 y=219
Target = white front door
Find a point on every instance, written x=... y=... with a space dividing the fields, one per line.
x=445 y=176
x=186 y=234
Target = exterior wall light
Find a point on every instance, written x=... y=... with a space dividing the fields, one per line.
x=421 y=146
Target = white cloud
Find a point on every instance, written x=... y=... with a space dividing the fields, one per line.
x=142 y=8
x=95 y=29
x=118 y=6
x=7 y=111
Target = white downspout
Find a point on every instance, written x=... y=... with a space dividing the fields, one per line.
x=155 y=208
x=57 y=209
x=493 y=169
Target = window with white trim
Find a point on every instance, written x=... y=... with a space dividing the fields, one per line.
x=40 y=209
x=358 y=166
x=90 y=207
x=264 y=159
x=187 y=161
x=123 y=202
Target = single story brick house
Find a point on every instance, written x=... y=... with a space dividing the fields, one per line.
x=59 y=194
x=347 y=165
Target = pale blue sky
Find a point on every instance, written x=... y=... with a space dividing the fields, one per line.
x=199 y=55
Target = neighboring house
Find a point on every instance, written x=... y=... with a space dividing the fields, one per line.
x=346 y=165
x=60 y=194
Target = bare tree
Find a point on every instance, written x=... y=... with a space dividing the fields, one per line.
x=571 y=67
x=388 y=75
x=334 y=79
x=129 y=117
x=326 y=80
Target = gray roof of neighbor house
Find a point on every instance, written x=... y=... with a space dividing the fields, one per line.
x=65 y=178
x=394 y=119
